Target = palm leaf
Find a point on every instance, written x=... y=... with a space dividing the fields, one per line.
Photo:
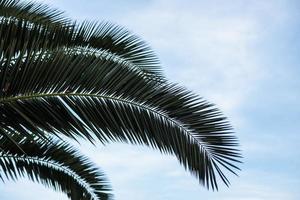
x=54 y=164
x=92 y=80
x=79 y=93
x=34 y=26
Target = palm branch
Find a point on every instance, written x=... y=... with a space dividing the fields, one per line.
x=55 y=164
x=100 y=82
x=43 y=27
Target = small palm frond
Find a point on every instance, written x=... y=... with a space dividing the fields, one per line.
x=33 y=26
x=55 y=164
x=79 y=93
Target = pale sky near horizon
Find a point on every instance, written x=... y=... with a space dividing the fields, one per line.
x=241 y=55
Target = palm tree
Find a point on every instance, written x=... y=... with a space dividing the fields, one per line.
x=99 y=82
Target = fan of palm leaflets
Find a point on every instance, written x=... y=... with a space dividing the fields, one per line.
x=99 y=82
x=55 y=164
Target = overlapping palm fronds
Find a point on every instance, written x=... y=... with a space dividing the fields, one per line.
x=102 y=83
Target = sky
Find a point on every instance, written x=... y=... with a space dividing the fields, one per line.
x=241 y=55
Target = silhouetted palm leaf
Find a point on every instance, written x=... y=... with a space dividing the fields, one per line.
x=78 y=93
x=53 y=164
x=36 y=26
x=101 y=82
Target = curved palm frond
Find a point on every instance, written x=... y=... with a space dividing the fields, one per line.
x=78 y=93
x=34 y=26
x=92 y=80
x=54 y=164
x=32 y=11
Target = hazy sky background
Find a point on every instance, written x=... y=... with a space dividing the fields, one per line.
x=241 y=55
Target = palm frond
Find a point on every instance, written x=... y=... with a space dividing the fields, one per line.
x=76 y=94
x=54 y=164
x=99 y=81
x=34 y=26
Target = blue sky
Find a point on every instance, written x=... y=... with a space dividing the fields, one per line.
x=242 y=56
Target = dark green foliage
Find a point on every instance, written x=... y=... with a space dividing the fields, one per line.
x=101 y=83
x=54 y=164
x=33 y=26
